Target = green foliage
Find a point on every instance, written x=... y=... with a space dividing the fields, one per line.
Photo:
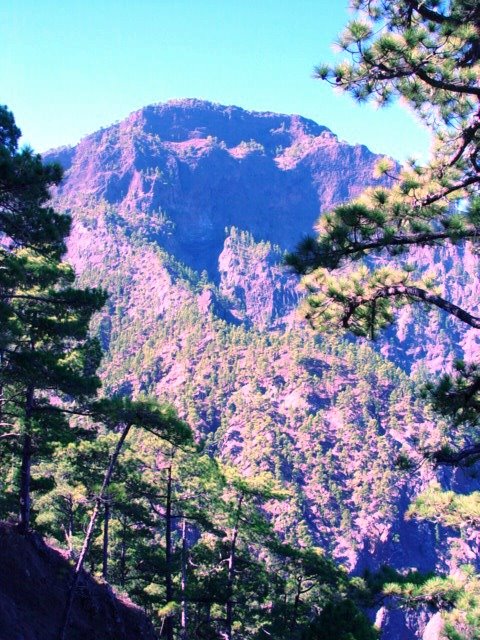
x=457 y=395
x=457 y=596
x=146 y=413
x=277 y=587
x=25 y=217
x=426 y=54
x=357 y=272
x=447 y=507
x=342 y=621
x=45 y=347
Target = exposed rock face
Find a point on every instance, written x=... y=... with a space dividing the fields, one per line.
x=252 y=277
x=207 y=167
x=193 y=185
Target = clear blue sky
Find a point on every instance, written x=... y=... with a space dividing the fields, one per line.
x=70 y=67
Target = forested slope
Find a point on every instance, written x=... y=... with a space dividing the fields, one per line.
x=182 y=213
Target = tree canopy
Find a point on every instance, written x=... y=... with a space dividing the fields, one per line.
x=358 y=271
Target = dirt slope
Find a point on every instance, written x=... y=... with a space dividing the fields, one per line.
x=33 y=584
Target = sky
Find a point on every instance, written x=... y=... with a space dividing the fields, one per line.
x=69 y=67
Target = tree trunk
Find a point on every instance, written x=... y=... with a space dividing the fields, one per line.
x=106 y=520
x=208 y=617
x=69 y=528
x=296 y=604
x=26 y=467
x=168 y=553
x=184 y=617
x=231 y=570
x=1 y=385
x=90 y=530
x=123 y=554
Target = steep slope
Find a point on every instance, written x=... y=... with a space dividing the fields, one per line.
x=30 y=570
x=186 y=170
x=313 y=414
x=328 y=420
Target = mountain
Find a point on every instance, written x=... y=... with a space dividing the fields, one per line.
x=183 y=171
x=182 y=213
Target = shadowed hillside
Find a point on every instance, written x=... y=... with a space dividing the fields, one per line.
x=33 y=584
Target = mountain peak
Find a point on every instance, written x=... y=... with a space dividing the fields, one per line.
x=184 y=119
x=208 y=166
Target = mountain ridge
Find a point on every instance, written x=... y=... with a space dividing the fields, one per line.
x=197 y=105
x=132 y=165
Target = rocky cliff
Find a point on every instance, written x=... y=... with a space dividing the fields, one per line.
x=183 y=171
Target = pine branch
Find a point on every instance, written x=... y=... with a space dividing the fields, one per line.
x=414 y=293
x=431 y=15
x=445 y=86
x=318 y=258
x=454 y=458
x=8 y=435
x=431 y=199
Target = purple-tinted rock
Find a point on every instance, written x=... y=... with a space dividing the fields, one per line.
x=208 y=167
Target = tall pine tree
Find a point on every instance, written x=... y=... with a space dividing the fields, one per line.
x=47 y=359
x=427 y=54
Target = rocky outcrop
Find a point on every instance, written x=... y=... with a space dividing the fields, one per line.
x=253 y=279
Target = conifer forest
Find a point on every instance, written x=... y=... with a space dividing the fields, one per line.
x=240 y=362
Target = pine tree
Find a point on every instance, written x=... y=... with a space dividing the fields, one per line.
x=121 y=415
x=26 y=220
x=427 y=54
x=47 y=359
